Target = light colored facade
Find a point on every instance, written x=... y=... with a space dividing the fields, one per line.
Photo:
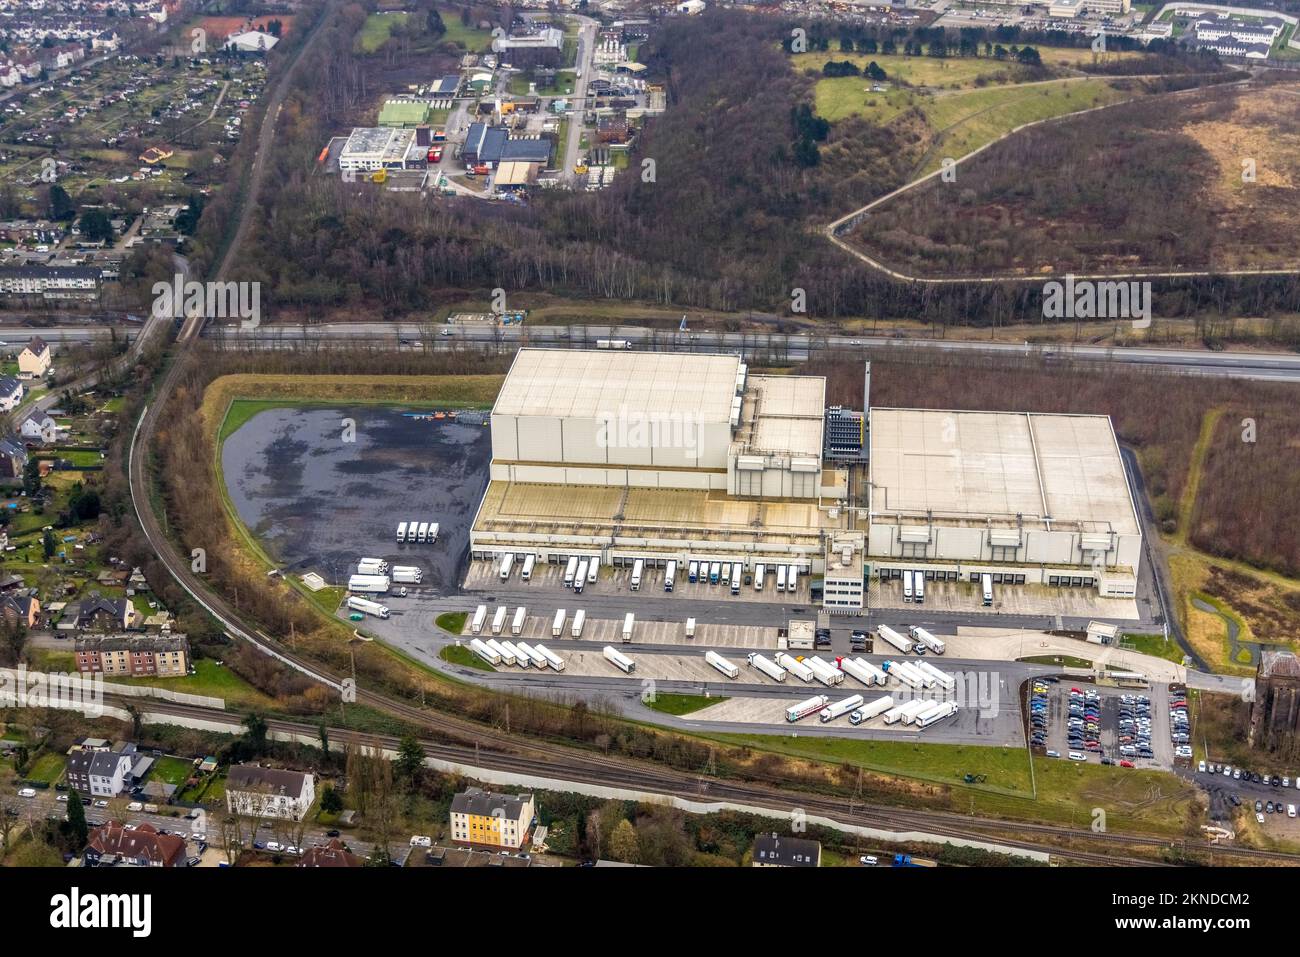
x=35 y=358
x=494 y=820
x=845 y=578
x=1043 y=499
x=255 y=791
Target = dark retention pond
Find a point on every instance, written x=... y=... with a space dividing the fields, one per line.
x=317 y=502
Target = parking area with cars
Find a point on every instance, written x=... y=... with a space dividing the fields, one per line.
x=1274 y=799
x=1085 y=722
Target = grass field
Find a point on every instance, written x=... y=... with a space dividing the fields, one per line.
x=471 y=38
x=681 y=703
x=174 y=771
x=452 y=621
x=377 y=29
x=47 y=768
x=460 y=655
x=210 y=679
x=1156 y=645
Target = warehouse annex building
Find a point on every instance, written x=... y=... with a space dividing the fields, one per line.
x=663 y=456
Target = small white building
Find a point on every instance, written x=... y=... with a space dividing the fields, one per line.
x=11 y=393
x=691 y=7
x=256 y=791
x=254 y=41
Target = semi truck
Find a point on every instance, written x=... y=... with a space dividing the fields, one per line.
x=570 y=569
x=946 y=709
x=517 y=626
x=863 y=671
x=913 y=708
x=894 y=638
x=629 y=622
x=670 y=576
x=986 y=583
x=907 y=585
x=760 y=571
x=840 y=708
x=401 y=532
x=507 y=563
x=579 y=619
x=484 y=652
x=795 y=667
x=923 y=637
x=823 y=672
x=368 y=607
x=715 y=569
x=499 y=619
x=619 y=660
x=593 y=569
x=552 y=659
x=372 y=566
x=722 y=664
x=431 y=533
x=924 y=680
x=896 y=670
x=736 y=569
x=480 y=616
x=422 y=532
x=918 y=587
x=533 y=655
x=872 y=710
x=767 y=666
x=369 y=584
x=780 y=578
x=407 y=575
x=693 y=572
x=526 y=573
x=557 y=623
x=580 y=576
x=506 y=657
x=638 y=568
x=804 y=708
x=944 y=680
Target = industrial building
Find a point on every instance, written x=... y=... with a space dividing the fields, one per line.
x=369 y=149
x=689 y=457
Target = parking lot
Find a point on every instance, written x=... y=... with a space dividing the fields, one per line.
x=609 y=630
x=1234 y=790
x=1103 y=724
x=1033 y=600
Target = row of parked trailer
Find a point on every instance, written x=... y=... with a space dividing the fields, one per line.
x=400 y=574
x=919 y=675
x=504 y=651
x=919 y=712
x=918 y=640
x=914 y=587
x=411 y=533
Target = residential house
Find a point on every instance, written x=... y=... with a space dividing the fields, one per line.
x=11 y=393
x=98 y=613
x=34 y=360
x=256 y=791
x=13 y=458
x=164 y=656
x=483 y=818
x=777 y=850
x=22 y=610
x=112 y=844
x=101 y=774
x=50 y=282
x=332 y=854
x=39 y=428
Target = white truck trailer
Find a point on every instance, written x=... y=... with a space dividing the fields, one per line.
x=904 y=711
x=896 y=670
x=629 y=622
x=570 y=570
x=517 y=626
x=690 y=627
x=552 y=659
x=619 y=660
x=839 y=708
x=506 y=657
x=367 y=606
x=894 y=638
x=407 y=575
x=532 y=654
x=804 y=708
x=431 y=533
x=422 y=532
x=372 y=566
x=593 y=569
x=557 y=623
x=722 y=664
x=944 y=680
x=780 y=578
x=580 y=577
x=507 y=563
x=794 y=666
x=767 y=666
x=638 y=569
x=369 y=584
x=670 y=576
x=480 y=617
x=526 y=573
x=499 y=619
x=579 y=619
x=513 y=651
x=914 y=707
x=863 y=671
x=926 y=681
x=875 y=708
x=923 y=637
x=823 y=672
x=483 y=651
x=946 y=709
x=401 y=532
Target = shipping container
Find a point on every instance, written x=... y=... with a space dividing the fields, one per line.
x=795 y=667
x=480 y=617
x=619 y=660
x=579 y=619
x=721 y=663
x=840 y=708
x=872 y=710
x=768 y=667
x=555 y=661
x=368 y=606
x=804 y=708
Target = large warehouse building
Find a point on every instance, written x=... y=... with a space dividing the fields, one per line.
x=665 y=456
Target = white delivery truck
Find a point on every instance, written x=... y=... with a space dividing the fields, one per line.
x=792 y=578
x=946 y=709
x=507 y=563
x=918 y=587
x=499 y=619
x=484 y=652
x=839 y=708
x=476 y=623
x=715 y=571
x=693 y=572
x=432 y=535
x=401 y=532
x=368 y=606
x=407 y=575
x=670 y=576
x=412 y=532
x=894 y=638
x=369 y=584
x=823 y=672
x=552 y=659
x=923 y=637
x=619 y=660
x=570 y=569
x=372 y=566
x=875 y=708
x=986 y=584
x=690 y=627
x=915 y=708
x=593 y=569
x=907 y=585
x=638 y=568
x=526 y=573
x=944 y=680
x=506 y=657
x=735 y=577
x=768 y=667
x=795 y=667
x=780 y=578
x=721 y=663
x=580 y=576
x=557 y=623
x=579 y=619
x=513 y=651
x=804 y=708
x=759 y=571
x=629 y=622
x=517 y=626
